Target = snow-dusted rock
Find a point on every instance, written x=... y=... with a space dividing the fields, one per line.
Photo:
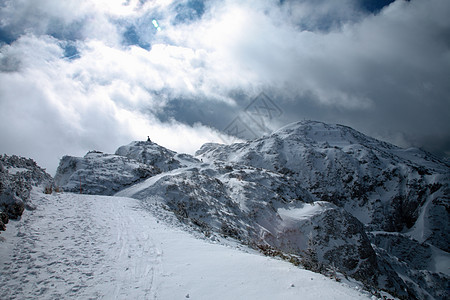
x=425 y=268
x=105 y=174
x=330 y=234
x=99 y=173
x=17 y=177
x=220 y=197
x=150 y=153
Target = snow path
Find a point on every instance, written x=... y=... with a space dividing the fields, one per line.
x=78 y=246
x=96 y=247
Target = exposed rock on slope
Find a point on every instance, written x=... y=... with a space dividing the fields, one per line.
x=17 y=177
x=100 y=173
x=221 y=197
x=423 y=266
x=155 y=155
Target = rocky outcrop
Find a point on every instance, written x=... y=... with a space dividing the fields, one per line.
x=4 y=219
x=106 y=174
x=152 y=154
x=18 y=175
x=100 y=174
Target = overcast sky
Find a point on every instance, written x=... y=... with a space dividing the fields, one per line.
x=79 y=75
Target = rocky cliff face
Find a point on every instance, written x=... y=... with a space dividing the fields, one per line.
x=325 y=196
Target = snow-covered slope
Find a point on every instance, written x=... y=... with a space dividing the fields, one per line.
x=262 y=209
x=97 y=247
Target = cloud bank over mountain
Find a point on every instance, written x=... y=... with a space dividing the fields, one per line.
x=79 y=75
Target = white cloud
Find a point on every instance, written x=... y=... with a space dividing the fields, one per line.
x=93 y=102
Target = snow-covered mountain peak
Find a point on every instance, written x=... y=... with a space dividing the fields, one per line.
x=150 y=153
x=144 y=145
x=384 y=186
x=320 y=133
x=297 y=137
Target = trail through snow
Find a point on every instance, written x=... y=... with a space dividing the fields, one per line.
x=97 y=247
x=78 y=246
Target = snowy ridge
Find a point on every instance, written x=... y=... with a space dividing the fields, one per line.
x=105 y=174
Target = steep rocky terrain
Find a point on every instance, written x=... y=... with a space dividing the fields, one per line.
x=324 y=196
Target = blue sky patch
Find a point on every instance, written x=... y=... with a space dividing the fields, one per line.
x=189 y=11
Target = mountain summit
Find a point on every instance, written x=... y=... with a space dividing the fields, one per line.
x=384 y=186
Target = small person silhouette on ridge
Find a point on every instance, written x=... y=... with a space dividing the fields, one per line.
x=148 y=139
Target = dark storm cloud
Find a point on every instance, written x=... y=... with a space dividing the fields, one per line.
x=78 y=75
